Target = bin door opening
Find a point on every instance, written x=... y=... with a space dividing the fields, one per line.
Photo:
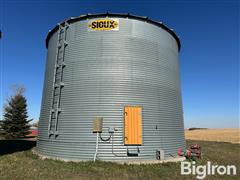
x=132 y=125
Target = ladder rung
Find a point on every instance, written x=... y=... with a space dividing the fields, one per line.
x=60 y=26
x=66 y=24
x=58 y=70
x=57 y=94
x=60 y=52
x=57 y=85
x=51 y=133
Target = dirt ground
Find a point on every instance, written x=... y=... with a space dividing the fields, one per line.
x=219 y=135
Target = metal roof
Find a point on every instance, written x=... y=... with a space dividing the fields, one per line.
x=121 y=15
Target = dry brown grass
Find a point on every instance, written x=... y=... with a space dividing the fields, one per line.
x=220 y=135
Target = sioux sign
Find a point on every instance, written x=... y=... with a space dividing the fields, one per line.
x=104 y=25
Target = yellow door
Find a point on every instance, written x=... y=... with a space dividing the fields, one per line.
x=132 y=125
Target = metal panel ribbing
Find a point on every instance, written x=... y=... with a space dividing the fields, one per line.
x=106 y=71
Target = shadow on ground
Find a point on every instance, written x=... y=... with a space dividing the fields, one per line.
x=11 y=146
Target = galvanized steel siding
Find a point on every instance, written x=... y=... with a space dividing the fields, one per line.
x=105 y=71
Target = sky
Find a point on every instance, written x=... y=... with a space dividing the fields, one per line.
x=209 y=56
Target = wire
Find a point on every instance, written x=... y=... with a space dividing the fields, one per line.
x=171 y=155
x=117 y=155
x=107 y=138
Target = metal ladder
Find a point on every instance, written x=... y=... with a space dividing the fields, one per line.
x=58 y=84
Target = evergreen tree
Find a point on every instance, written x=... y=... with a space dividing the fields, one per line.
x=15 y=123
x=1 y=130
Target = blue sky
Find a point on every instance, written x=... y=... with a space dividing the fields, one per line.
x=209 y=58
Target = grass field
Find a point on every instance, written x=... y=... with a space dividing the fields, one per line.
x=220 y=135
x=18 y=162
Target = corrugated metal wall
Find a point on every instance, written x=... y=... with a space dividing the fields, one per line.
x=105 y=71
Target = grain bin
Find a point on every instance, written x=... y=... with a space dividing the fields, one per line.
x=111 y=90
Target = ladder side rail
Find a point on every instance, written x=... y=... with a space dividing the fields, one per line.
x=53 y=85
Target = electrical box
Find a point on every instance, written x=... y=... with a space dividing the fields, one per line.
x=97 y=125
